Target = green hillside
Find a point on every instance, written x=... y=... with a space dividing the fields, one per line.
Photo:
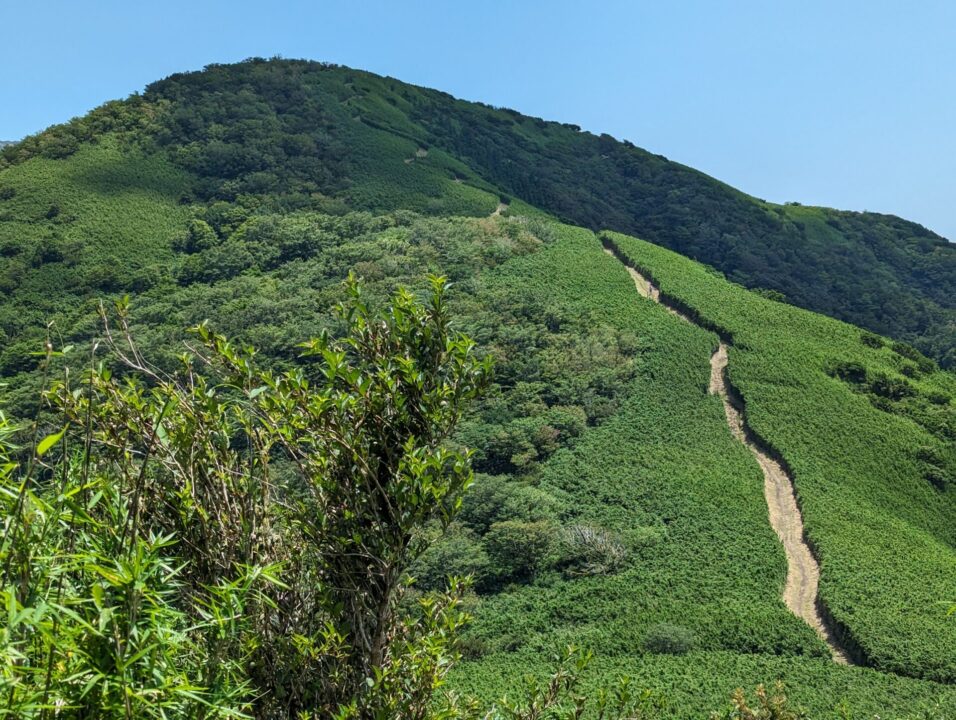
x=868 y=430
x=306 y=134
x=613 y=507
x=599 y=420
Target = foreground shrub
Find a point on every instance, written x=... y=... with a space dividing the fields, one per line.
x=231 y=540
x=769 y=706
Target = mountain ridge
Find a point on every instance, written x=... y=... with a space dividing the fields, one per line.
x=310 y=128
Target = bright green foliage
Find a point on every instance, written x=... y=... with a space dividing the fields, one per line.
x=768 y=707
x=517 y=549
x=670 y=639
x=869 y=434
x=695 y=684
x=366 y=437
x=234 y=540
x=559 y=696
x=663 y=475
x=76 y=230
x=100 y=618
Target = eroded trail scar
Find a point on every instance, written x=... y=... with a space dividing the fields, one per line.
x=803 y=571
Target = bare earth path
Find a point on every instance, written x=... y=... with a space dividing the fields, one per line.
x=803 y=571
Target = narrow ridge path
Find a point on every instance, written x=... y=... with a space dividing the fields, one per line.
x=803 y=571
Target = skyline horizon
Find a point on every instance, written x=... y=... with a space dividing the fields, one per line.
x=840 y=107
x=4 y=141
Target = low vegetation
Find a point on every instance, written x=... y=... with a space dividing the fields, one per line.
x=230 y=540
x=867 y=428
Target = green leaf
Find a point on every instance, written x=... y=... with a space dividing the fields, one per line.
x=97 y=590
x=49 y=441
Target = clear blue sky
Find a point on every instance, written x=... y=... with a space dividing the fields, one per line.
x=846 y=103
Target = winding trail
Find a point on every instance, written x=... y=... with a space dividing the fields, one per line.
x=803 y=571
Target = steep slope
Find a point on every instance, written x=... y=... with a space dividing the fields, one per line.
x=300 y=134
x=667 y=476
x=868 y=434
x=599 y=443
x=803 y=571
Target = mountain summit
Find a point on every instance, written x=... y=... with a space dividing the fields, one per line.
x=300 y=133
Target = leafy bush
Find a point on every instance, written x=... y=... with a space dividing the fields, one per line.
x=517 y=550
x=849 y=371
x=769 y=706
x=668 y=639
x=774 y=295
x=457 y=554
x=144 y=579
x=890 y=388
x=871 y=339
x=494 y=498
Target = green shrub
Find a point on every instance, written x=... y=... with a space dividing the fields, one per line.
x=493 y=498
x=938 y=398
x=925 y=364
x=906 y=350
x=849 y=371
x=144 y=580
x=891 y=388
x=871 y=339
x=774 y=295
x=775 y=706
x=517 y=550
x=668 y=639
x=458 y=553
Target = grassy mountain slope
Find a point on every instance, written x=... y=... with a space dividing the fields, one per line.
x=869 y=432
x=74 y=230
x=612 y=502
x=664 y=473
x=300 y=133
x=599 y=418
x=876 y=271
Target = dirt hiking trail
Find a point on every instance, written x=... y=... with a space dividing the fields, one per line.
x=803 y=571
